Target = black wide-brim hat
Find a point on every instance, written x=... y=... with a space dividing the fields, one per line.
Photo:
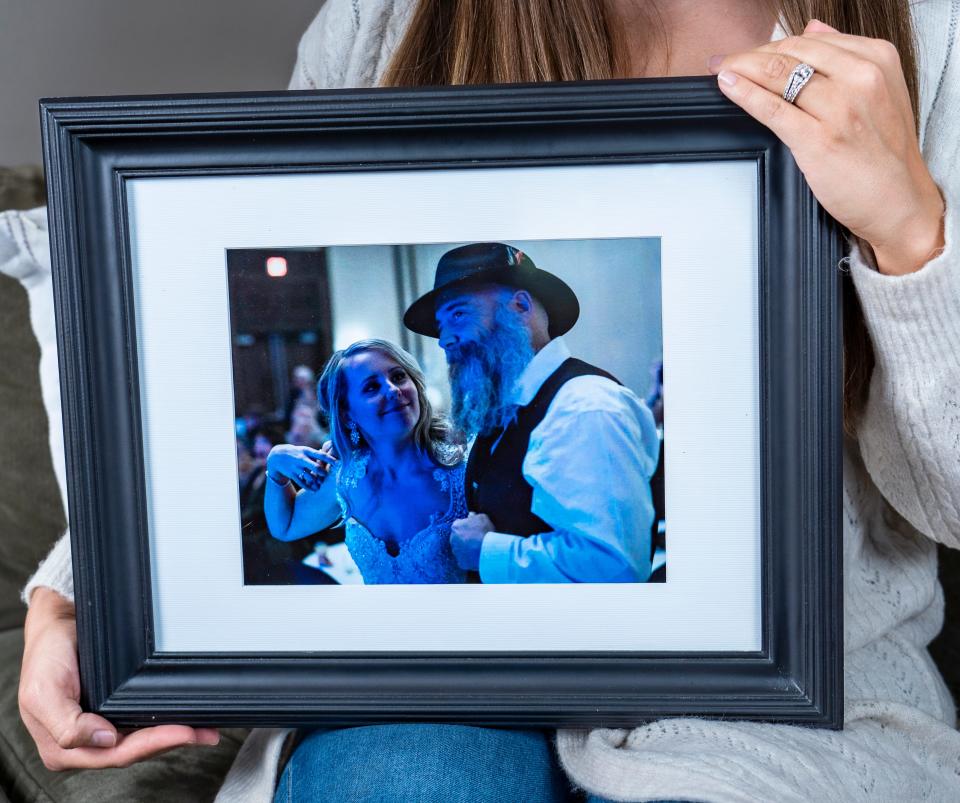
x=480 y=264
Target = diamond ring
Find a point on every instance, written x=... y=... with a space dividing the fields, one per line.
x=797 y=81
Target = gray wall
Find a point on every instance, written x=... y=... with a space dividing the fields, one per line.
x=52 y=48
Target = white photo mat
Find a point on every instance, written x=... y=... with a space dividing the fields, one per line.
x=706 y=216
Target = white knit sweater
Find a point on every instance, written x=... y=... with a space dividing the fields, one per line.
x=901 y=494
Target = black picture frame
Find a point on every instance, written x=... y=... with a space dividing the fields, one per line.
x=93 y=146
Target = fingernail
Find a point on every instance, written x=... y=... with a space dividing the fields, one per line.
x=727 y=77
x=714 y=62
x=103 y=739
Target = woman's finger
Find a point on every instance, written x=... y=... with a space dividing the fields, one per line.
x=857 y=63
x=311 y=479
x=310 y=471
x=881 y=51
x=792 y=125
x=318 y=456
x=885 y=61
x=70 y=727
x=318 y=473
x=47 y=706
x=841 y=76
x=772 y=71
x=131 y=748
x=862 y=69
x=48 y=696
x=49 y=690
x=829 y=59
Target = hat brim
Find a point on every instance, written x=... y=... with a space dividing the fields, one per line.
x=558 y=299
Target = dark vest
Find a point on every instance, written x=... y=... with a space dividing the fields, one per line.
x=494 y=477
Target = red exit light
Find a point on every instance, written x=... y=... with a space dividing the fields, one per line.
x=276 y=267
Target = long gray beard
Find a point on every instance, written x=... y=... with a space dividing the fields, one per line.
x=483 y=375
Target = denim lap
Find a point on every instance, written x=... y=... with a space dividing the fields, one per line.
x=424 y=763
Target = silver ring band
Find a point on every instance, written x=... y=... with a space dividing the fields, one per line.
x=797 y=81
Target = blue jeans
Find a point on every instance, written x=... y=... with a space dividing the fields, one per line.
x=425 y=764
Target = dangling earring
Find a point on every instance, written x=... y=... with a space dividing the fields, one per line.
x=356 y=466
x=354 y=433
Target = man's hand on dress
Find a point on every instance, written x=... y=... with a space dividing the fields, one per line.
x=466 y=538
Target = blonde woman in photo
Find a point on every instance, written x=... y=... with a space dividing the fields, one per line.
x=393 y=473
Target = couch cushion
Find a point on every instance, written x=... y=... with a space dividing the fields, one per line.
x=31 y=514
x=21 y=187
x=185 y=775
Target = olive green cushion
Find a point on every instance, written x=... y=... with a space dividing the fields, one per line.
x=22 y=187
x=31 y=515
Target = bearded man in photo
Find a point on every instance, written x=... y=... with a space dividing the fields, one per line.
x=558 y=477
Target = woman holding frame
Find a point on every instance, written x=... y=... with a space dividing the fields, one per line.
x=872 y=122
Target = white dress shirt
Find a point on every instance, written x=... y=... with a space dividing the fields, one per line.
x=589 y=462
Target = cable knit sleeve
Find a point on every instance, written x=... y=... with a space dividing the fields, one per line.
x=910 y=433
x=349 y=43
x=55 y=572
x=324 y=49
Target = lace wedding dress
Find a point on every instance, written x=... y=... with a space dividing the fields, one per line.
x=426 y=556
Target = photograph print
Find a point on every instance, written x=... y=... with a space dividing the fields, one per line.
x=447 y=413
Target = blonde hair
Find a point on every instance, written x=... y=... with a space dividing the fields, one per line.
x=515 y=41
x=433 y=434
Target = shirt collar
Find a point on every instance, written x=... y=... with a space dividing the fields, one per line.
x=544 y=363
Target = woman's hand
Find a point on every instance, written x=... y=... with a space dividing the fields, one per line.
x=66 y=737
x=305 y=466
x=851 y=131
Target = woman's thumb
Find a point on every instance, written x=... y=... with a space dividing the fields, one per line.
x=71 y=729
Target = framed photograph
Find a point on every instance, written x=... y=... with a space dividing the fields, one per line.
x=495 y=405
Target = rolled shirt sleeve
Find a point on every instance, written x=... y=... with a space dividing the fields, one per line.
x=589 y=462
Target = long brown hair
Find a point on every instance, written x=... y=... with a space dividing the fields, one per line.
x=516 y=41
